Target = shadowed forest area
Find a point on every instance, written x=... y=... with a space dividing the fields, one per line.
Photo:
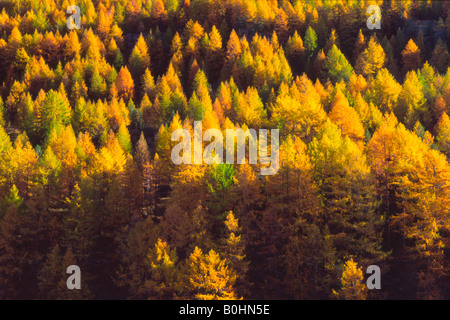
x=86 y=176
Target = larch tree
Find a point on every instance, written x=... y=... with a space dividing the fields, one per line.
x=318 y=66
x=12 y=102
x=187 y=228
x=421 y=44
x=49 y=276
x=293 y=109
x=234 y=48
x=111 y=157
x=293 y=207
x=354 y=215
x=346 y=118
x=411 y=102
x=86 y=177
x=332 y=40
x=208 y=277
x=352 y=287
x=250 y=109
x=371 y=60
x=3 y=114
x=98 y=85
x=139 y=59
x=148 y=84
x=5 y=142
x=409 y=172
x=125 y=84
x=336 y=65
x=63 y=143
x=232 y=53
x=440 y=57
x=159 y=12
x=310 y=41
x=281 y=25
x=234 y=252
x=438 y=108
x=15 y=256
x=53 y=272
x=295 y=51
x=136 y=246
x=163 y=264
x=385 y=91
x=176 y=49
x=357 y=85
x=21 y=59
x=150 y=112
x=123 y=136
x=50 y=48
x=411 y=57
x=443 y=134
x=371 y=117
x=22 y=161
x=214 y=54
x=360 y=46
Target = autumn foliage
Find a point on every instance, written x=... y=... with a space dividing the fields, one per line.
x=86 y=177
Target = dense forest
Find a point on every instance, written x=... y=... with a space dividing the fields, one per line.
x=86 y=176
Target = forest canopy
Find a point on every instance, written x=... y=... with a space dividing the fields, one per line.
x=86 y=177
